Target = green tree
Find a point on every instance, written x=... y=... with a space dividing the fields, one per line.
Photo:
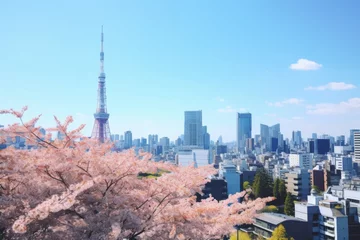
x=316 y=188
x=280 y=234
x=289 y=205
x=263 y=184
x=282 y=192
x=270 y=208
x=276 y=190
x=246 y=185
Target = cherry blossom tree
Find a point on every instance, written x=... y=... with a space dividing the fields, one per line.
x=79 y=189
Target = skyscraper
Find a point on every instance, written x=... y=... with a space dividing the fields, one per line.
x=296 y=138
x=101 y=129
x=206 y=137
x=193 y=129
x=128 y=140
x=352 y=131
x=265 y=136
x=243 y=122
x=357 y=147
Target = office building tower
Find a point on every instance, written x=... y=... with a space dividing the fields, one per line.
x=128 y=140
x=357 y=147
x=243 y=131
x=178 y=142
x=101 y=129
x=265 y=136
x=340 y=140
x=206 y=137
x=143 y=142
x=319 y=146
x=322 y=146
x=296 y=138
x=257 y=140
x=314 y=136
x=165 y=143
x=117 y=137
x=150 y=143
x=220 y=140
x=136 y=142
x=155 y=139
x=271 y=137
x=193 y=129
x=352 y=132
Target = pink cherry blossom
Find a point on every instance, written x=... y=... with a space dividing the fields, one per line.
x=71 y=189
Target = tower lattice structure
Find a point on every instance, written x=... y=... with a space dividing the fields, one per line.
x=101 y=129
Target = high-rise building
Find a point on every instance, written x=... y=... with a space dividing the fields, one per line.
x=271 y=137
x=155 y=139
x=314 y=136
x=243 y=131
x=265 y=136
x=340 y=140
x=101 y=129
x=206 y=137
x=296 y=138
x=136 y=142
x=193 y=129
x=143 y=142
x=165 y=143
x=257 y=140
x=128 y=140
x=357 y=147
x=352 y=132
x=220 y=140
x=117 y=137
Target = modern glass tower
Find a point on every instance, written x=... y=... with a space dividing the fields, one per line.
x=193 y=132
x=243 y=122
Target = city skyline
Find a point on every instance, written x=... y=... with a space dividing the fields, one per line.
x=305 y=81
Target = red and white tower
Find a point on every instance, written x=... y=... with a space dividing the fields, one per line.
x=101 y=130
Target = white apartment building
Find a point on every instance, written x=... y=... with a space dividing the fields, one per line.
x=302 y=160
x=198 y=157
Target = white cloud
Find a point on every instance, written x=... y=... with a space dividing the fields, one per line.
x=350 y=106
x=220 y=99
x=229 y=109
x=305 y=65
x=290 y=101
x=333 y=86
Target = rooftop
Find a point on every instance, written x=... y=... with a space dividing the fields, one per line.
x=276 y=218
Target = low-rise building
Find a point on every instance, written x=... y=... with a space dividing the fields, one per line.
x=265 y=223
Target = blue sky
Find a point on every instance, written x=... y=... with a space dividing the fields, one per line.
x=165 y=57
